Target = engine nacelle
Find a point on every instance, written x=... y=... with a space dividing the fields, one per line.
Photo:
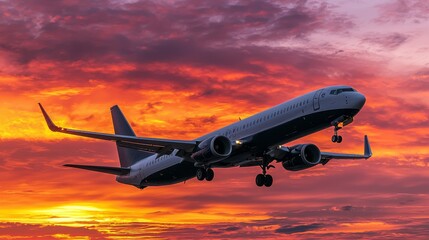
x=213 y=150
x=301 y=157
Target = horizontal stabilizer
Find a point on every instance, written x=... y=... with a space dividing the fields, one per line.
x=103 y=169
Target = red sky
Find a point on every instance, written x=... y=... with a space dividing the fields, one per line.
x=180 y=69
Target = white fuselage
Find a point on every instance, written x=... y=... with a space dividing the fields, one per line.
x=283 y=123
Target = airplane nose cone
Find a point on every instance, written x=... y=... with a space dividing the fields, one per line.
x=359 y=100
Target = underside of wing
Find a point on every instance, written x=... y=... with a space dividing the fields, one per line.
x=303 y=156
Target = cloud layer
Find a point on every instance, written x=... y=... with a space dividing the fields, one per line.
x=180 y=69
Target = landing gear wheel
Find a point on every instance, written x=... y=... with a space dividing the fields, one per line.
x=337 y=139
x=268 y=180
x=260 y=180
x=209 y=174
x=201 y=174
x=265 y=179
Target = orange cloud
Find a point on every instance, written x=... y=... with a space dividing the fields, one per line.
x=181 y=74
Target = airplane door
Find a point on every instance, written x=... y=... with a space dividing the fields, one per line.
x=316 y=100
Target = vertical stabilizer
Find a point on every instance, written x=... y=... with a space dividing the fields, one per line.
x=127 y=156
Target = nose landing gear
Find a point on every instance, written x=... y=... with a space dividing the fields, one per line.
x=338 y=124
x=337 y=138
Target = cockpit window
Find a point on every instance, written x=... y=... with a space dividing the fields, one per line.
x=340 y=90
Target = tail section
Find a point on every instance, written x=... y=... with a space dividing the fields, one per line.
x=127 y=156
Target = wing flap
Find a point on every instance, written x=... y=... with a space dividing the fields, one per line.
x=104 y=169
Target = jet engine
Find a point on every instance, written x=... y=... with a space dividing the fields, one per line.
x=213 y=150
x=301 y=157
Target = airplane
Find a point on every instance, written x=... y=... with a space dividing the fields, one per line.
x=255 y=141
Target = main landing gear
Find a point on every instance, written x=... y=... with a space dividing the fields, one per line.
x=264 y=179
x=206 y=174
x=337 y=138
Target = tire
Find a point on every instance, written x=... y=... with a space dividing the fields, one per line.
x=339 y=139
x=201 y=174
x=268 y=181
x=260 y=180
x=334 y=138
x=209 y=174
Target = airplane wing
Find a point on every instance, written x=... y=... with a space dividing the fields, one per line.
x=155 y=145
x=326 y=156
x=280 y=153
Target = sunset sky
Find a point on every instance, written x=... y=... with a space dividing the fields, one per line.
x=180 y=69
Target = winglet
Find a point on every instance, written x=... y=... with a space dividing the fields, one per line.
x=48 y=120
x=367 y=150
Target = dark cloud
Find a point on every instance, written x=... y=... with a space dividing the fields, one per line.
x=200 y=121
x=230 y=229
x=45 y=231
x=409 y=228
x=204 y=34
x=401 y=10
x=299 y=228
x=389 y=41
x=69 y=31
x=78 y=42
x=346 y=208
x=418 y=82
